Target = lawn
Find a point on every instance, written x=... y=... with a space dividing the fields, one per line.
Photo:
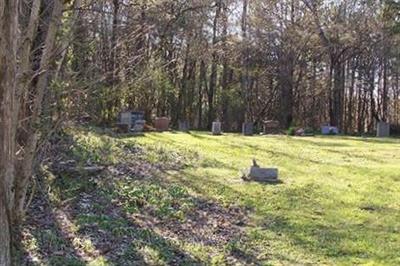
x=178 y=199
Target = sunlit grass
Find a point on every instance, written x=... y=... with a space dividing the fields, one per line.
x=338 y=203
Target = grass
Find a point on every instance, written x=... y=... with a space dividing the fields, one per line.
x=338 y=203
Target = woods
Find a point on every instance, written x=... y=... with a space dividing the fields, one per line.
x=301 y=62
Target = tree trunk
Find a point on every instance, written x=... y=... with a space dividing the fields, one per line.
x=213 y=75
x=285 y=81
x=8 y=84
x=337 y=94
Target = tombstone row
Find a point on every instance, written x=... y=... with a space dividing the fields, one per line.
x=269 y=127
x=273 y=127
x=135 y=122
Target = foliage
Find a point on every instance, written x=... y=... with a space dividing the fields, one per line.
x=291 y=131
x=189 y=63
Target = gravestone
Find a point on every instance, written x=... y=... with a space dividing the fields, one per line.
x=161 y=123
x=138 y=126
x=263 y=174
x=383 y=130
x=260 y=174
x=328 y=130
x=271 y=127
x=131 y=121
x=183 y=126
x=247 y=128
x=216 y=128
x=125 y=118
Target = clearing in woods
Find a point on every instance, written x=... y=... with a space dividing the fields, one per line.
x=178 y=199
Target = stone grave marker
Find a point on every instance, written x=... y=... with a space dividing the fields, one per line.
x=247 y=128
x=183 y=126
x=382 y=129
x=271 y=127
x=131 y=121
x=162 y=123
x=261 y=174
x=216 y=128
x=329 y=130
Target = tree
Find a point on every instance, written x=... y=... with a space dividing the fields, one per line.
x=23 y=84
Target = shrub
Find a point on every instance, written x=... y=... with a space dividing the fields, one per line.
x=291 y=131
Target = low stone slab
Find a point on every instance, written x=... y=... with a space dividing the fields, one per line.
x=263 y=174
x=328 y=130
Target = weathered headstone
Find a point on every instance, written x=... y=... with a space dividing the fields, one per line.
x=183 y=126
x=138 y=126
x=247 y=128
x=271 y=127
x=260 y=174
x=216 y=128
x=125 y=118
x=131 y=121
x=383 y=130
x=328 y=130
x=263 y=174
x=161 y=123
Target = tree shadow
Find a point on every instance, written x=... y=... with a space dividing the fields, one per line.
x=44 y=239
x=391 y=140
x=314 y=142
x=90 y=221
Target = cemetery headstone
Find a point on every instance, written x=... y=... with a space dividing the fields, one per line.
x=260 y=174
x=161 y=123
x=131 y=121
x=138 y=126
x=271 y=127
x=183 y=126
x=247 y=128
x=216 y=128
x=125 y=118
x=329 y=130
x=383 y=130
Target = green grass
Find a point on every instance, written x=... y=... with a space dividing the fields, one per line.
x=338 y=203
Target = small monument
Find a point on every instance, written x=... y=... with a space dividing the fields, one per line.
x=247 y=128
x=382 y=129
x=259 y=174
x=271 y=127
x=183 y=126
x=329 y=130
x=161 y=124
x=131 y=121
x=216 y=128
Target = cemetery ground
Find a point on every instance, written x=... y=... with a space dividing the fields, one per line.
x=178 y=199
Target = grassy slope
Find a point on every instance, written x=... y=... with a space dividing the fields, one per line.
x=339 y=201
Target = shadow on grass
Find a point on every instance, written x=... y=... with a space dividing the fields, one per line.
x=129 y=221
x=314 y=142
x=392 y=140
x=44 y=238
x=333 y=240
